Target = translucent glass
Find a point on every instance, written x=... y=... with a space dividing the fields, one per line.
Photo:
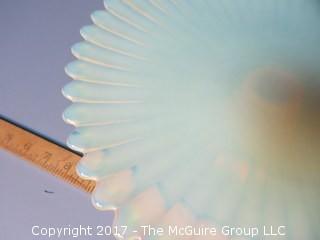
x=201 y=112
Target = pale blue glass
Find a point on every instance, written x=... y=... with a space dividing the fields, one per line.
x=207 y=107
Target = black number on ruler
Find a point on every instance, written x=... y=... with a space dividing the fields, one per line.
x=46 y=157
x=27 y=146
x=7 y=139
x=67 y=166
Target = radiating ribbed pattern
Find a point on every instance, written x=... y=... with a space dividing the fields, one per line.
x=206 y=110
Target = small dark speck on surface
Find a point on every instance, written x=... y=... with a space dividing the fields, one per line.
x=47 y=191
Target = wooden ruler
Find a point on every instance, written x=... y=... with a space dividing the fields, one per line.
x=44 y=153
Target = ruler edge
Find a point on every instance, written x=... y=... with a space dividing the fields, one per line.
x=52 y=141
x=40 y=135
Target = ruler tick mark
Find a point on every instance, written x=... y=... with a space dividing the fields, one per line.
x=42 y=153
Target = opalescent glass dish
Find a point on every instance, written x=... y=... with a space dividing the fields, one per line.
x=201 y=112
